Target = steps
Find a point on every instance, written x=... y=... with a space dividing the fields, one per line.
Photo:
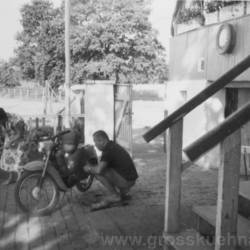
x=206 y=220
x=244 y=199
x=206 y=217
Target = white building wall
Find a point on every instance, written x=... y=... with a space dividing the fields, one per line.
x=202 y=119
x=99 y=110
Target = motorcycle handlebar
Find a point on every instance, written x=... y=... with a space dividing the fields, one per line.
x=60 y=134
x=55 y=136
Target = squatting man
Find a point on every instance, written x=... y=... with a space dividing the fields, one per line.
x=115 y=170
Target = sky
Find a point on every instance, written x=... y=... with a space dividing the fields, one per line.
x=10 y=22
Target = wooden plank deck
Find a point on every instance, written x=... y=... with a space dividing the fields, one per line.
x=73 y=227
x=208 y=214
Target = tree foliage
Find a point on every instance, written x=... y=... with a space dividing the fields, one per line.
x=114 y=38
x=40 y=52
x=9 y=74
x=110 y=39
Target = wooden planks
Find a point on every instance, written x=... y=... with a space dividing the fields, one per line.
x=219 y=133
x=208 y=214
x=228 y=190
x=173 y=178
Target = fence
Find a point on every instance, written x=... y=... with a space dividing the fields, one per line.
x=37 y=94
x=56 y=122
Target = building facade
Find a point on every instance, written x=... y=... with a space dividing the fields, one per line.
x=203 y=47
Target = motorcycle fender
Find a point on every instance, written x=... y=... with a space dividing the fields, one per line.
x=34 y=166
x=38 y=165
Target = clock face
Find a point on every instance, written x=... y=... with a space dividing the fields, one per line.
x=225 y=39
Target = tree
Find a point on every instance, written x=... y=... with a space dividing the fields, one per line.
x=114 y=39
x=110 y=39
x=41 y=53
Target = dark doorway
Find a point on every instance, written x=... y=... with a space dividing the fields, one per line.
x=231 y=102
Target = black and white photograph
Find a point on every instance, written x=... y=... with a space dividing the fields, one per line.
x=125 y=125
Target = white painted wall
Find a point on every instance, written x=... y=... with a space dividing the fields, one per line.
x=99 y=110
x=202 y=119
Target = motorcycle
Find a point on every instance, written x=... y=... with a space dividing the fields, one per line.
x=41 y=181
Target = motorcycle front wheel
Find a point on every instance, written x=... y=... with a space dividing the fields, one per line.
x=33 y=199
x=84 y=185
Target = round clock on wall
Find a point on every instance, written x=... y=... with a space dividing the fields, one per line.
x=225 y=38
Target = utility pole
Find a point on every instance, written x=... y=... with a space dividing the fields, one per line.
x=67 y=64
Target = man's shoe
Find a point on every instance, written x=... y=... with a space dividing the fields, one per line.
x=126 y=197
x=99 y=205
x=108 y=201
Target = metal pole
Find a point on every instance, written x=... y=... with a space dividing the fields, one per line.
x=67 y=64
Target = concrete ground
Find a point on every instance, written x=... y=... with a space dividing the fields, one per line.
x=139 y=225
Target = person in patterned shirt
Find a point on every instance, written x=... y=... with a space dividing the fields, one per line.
x=12 y=134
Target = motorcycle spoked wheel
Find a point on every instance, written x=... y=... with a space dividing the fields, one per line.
x=85 y=184
x=33 y=200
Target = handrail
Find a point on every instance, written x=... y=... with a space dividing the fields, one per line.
x=198 y=99
x=219 y=133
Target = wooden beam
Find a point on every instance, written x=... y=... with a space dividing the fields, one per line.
x=120 y=118
x=216 y=135
x=173 y=178
x=198 y=99
x=228 y=190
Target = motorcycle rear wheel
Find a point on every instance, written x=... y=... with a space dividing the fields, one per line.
x=34 y=200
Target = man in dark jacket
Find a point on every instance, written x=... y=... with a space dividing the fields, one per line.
x=116 y=169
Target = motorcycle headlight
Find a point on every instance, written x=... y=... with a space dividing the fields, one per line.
x=40 y=146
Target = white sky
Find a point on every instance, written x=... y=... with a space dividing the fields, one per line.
x=10 y=22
